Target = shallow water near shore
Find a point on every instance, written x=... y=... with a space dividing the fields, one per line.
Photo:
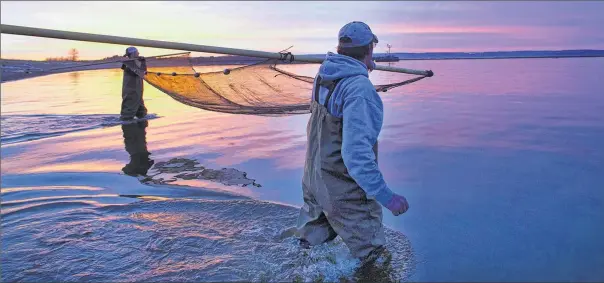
x=501 y=161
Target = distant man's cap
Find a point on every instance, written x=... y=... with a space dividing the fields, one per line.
x=130 y=50
x=356 y=34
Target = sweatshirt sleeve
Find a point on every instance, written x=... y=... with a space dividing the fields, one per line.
x=362 y=119
x=133 y=69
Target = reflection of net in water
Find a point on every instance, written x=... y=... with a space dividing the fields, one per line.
x=258 y=89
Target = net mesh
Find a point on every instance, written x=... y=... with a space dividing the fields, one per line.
x=257 y=89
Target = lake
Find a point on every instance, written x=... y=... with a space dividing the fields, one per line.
x=502 y=162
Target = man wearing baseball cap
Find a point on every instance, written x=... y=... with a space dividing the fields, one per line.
x=342 y=186
x=133 y=104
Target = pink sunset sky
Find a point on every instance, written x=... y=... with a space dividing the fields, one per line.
x=311 y=27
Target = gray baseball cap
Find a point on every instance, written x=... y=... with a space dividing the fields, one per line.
x=130 y=50
x=355 y=34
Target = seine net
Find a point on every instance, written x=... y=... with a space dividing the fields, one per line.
x=257 y=89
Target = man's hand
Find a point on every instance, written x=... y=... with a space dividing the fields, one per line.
x=398 y=205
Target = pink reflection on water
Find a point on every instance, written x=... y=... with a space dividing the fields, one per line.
x=469 y=103
x=493 y=77
x=234 y=138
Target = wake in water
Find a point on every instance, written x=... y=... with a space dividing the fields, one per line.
x=82 y=232
x=19 y=128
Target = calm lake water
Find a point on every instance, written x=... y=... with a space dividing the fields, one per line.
x=502 y=162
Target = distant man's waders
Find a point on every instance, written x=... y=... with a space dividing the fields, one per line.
x=132 y=90
x=334 y=204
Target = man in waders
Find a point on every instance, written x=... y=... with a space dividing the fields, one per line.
x=342 y=184
x=132 y=86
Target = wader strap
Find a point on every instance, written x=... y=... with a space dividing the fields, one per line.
x=331 y=86
x=317 y=86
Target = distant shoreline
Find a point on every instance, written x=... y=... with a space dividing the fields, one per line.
x=493 y=58
x=14 y=70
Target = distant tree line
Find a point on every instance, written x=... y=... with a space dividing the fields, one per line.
x=114 y=57
x=73 y=55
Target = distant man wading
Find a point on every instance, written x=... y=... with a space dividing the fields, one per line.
x=132 y=87
x=342 y=184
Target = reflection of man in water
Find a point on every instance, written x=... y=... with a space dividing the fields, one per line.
x=135 y=139
x=132 y=86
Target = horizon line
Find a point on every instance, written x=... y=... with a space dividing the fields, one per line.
x=321 y=54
